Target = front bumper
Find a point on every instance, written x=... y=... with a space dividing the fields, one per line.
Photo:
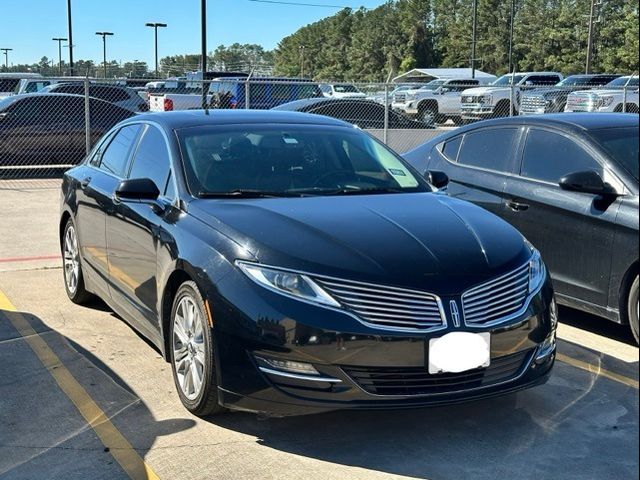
x=476 y=111
x=371 y=369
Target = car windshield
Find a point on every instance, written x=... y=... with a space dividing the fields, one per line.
x=622 y=145
x=345 y=88
x=575 y=80
x=622 y=81
x=276 y=160
x=433 y=85
x=506 y=80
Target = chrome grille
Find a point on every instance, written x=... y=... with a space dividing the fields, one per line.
x=532 y=104
x=493 y=301
x=387 y=307
x=471 y=98
x=581 y=103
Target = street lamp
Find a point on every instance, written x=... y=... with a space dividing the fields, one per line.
x=6 y=56
x=203 y=40
x=155 y=28
x=59 y=40
x=70 y=37
x=104 y=49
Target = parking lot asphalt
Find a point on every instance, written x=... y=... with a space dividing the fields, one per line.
x=81 y=394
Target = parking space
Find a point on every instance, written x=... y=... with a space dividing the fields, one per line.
x=82 y=394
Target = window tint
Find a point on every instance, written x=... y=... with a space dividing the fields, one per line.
x=110 y=94
x=115 y=156
x=151 y=159
x=451 y=147
x=491 y=148
x=549 y=156
x=77 y=89
x=543 y=79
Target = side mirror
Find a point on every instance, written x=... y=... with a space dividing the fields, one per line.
x=437 y=178
x=587 y=181
x=137 y=189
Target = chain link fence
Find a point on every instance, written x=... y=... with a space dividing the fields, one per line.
x=49 y=124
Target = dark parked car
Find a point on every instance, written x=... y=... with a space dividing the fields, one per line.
x=49 y=129
x=289 y=263
x=569 y=183
x=124 y=97
x=264 y=92
x=360 y=112
x=554 y=99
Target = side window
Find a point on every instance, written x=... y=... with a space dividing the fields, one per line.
x=491 y=149
x=151 y=159
x=280 y=91
x=116 y=154
x=549 y=156
x=451 y=148
x=543 y=79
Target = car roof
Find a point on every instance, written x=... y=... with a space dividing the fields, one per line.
x=297 y=105
x=193 y=118
x=55 y=94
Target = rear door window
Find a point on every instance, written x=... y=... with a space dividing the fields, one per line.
x=450 y=149
x=490 y=149
x=549 y=156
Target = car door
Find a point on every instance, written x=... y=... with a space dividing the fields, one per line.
x=478 y=164
x=133 y=233
x=98 y=181
x=573 y=231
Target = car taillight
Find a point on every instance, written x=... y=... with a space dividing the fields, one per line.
x=168 y=105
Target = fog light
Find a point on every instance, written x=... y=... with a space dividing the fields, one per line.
x=287 y=366
x=546 y=349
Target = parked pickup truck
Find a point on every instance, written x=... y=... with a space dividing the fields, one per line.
x=231 y=92
x=10 y=81
x=494 y=99
x=436 y=101
x=553 y=100
x=610 y=98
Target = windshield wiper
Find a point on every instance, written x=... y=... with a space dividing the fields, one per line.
x=246 y=193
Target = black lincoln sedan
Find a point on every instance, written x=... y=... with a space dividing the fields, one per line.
x=288 y=263
x=569 y=183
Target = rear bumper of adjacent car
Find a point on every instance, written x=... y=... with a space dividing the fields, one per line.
x=361 y=368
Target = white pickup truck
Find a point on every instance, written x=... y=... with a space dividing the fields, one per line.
x=436 y=101
x=10 y=83
x=610 y=98
x=494 y=99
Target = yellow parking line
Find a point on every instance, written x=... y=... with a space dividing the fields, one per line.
x=119 y=447
x=630 y=382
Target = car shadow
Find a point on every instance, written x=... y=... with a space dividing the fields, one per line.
x=598 y=325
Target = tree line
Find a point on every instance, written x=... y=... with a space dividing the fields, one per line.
x=372 y=45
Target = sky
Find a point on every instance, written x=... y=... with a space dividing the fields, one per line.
x=29 y=26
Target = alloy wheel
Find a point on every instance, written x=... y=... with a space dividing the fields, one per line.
x=71 y=259
x=189 y=347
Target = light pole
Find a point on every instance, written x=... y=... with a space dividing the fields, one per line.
x=155 y=28
x=104 y=49
x=301 y=48
x=6 y=57
x=70 y=37
x=512 y=19
x=59 y=40
x=473 y=38
x=203 y=33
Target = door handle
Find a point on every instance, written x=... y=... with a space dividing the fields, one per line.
x=85 y=183
x=517 y=206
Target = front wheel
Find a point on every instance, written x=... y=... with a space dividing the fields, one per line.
x=428 y=114
x=72 y=266
x=633 y=309
x=192 y=358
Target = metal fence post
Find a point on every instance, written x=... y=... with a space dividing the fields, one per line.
x=246 y=93
x=386 y=113
x=87 y=116
x=511 y=95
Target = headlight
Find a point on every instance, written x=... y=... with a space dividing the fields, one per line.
x=287 y=283
x=410 y=96
x=536 y=270
x=605 y=101
x=486 y=99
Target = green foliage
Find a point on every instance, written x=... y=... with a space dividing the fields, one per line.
x=370 y=45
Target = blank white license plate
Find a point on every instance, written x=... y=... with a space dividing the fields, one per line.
x=459 y=351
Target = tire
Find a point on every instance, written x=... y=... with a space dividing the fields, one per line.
x=428 y=114
x=191 y=349
x=72 y=266
x=632 y=309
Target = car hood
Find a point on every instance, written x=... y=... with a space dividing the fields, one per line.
x=423 y=240
x=484 y=90
x=599 y=92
